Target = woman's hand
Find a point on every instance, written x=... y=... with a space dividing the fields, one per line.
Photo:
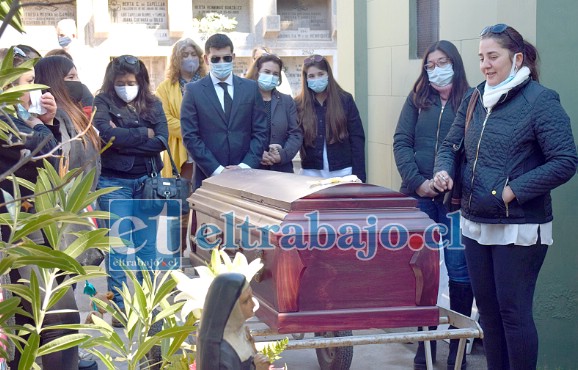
x=443 y=182
x=270 y=159
x=47 y=102
x=426 y=190
x=508 y=195
x=261 y=362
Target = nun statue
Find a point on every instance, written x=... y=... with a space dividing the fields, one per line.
x=224 y=343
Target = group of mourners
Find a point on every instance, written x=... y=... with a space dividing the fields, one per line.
x=518 y=145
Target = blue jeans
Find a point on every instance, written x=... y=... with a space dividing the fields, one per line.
x=504 y=279
x=454 y=258
x=139 y=241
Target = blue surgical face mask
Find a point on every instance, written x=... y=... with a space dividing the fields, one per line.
x=510 y=77
x=64 y=41
x=22 y=112
x=126 y=93
x=318 y=84
x=190 y=65
x=268 y=82
x=441 y=76
x=221 y=70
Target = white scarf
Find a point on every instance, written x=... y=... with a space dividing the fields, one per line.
x=491 y=96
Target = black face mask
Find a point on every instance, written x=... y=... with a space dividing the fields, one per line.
x=74 y=89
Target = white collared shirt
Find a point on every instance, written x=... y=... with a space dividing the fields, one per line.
x=219 y=90
x=221 y=95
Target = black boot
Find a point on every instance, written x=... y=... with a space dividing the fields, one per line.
x=419 y=362
x=461 y=300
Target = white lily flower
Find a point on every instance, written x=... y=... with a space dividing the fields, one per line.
x=194 y=291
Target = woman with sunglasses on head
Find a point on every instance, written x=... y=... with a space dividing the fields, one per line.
x=132 y=118
x=425 y=119
x=186 y=65
x=286 y=136
x=333 y=136
x=519 y=146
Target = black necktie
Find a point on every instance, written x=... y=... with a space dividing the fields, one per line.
x=227 y=99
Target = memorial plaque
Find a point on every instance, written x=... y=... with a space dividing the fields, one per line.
x=151 y=14
x=309 y=20
x=156 y=67
x=46 y=15
x=238 y=9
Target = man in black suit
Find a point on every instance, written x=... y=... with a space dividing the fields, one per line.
x=223 y=119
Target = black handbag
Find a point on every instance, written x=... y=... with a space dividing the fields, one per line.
x=159 y=189
x=453 y=198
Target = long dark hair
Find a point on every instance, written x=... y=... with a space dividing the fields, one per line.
x=424 y=93
x=51 y=71
x=128 y=64
x=335 y=118
x=513 y=41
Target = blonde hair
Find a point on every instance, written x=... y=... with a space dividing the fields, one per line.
x=174 y=69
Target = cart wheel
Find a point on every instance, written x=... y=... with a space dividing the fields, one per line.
x=335 y=358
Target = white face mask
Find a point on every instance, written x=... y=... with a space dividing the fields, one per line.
x=126 y=93
x=441 y=76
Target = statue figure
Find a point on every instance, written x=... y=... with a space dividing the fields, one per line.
x=224 y=343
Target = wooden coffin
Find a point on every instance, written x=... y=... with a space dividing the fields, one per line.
x=336 y=257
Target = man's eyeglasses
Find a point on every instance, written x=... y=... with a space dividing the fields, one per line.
x=499 y=29
x=441 y=62
x=313 y=59
x=226 y=59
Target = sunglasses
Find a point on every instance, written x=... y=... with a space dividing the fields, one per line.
x=18 y=52
x=498 y=29
x=313 y=59
x=226 y=59
x=128 y=59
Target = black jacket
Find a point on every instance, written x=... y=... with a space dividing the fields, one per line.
x=525 y=142
x=10 y=155
x=349 y=153
x=418 y=137
x=131 y=145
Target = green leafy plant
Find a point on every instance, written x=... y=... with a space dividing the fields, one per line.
x=274 y=350
x=154 y=336
x=59 y=202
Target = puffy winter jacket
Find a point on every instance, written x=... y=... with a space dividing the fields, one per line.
x=525 y=142
x=417 y=138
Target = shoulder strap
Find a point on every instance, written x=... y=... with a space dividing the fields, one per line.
x=471 y=107
x=173 y=165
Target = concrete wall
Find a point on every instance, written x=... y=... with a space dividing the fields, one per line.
x=556 y=300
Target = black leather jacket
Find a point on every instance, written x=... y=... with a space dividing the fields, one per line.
x=525 y=142
x=131 y=143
